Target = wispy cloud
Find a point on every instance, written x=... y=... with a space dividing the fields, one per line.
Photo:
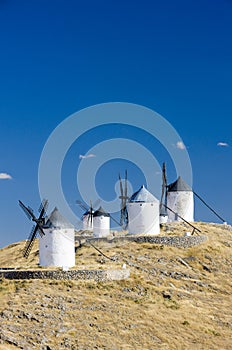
x=180 y=145
x=222 y=144
x=5 y=176
x=91 y=155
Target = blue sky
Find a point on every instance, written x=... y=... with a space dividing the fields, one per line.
x=57 y=57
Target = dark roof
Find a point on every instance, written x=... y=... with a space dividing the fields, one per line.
x=56 y=220
x=179 y=185
x=143 y=195
x=100 y=212
x=88 y=212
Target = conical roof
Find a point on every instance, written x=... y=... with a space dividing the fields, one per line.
x=143 y=195
x=179 y=185
x=100 y=212
x=56 y=220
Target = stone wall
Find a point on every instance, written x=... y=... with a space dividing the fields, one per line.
x=174 y=241
x=97 y=275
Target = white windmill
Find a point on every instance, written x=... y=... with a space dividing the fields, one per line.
x=57 y=246
x=101 y=223
x=180 y=200
x=143 y=213
x=57 y=237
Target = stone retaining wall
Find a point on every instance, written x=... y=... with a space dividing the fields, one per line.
x=174 y=241
x=97 y=275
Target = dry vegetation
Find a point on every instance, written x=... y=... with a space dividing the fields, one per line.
x=174 y=299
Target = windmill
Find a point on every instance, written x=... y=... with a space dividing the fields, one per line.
x=38 y=227
x=87 y=217
x=89 y=214
x=143 y=213
x=124 y=198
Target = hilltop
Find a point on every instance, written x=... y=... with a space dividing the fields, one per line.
x=175 y=298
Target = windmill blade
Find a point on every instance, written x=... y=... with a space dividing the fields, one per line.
x=125 y=218
x=43 y=206
x=164 y=185
x=164 y=174
x=40 y=230
x=121 y=187
x=122 y=200
x=30 y=242
x=28 y=211
x=126 y=187
x=162 y=196
x=41 y=218
x=91 y=213
x=82 y=205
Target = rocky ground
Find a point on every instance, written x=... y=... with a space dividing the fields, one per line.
x=175 y=298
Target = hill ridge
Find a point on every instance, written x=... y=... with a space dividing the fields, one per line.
x=175 y=298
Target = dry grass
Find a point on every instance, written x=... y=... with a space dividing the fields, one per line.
x=165 y=304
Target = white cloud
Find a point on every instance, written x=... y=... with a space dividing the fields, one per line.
x=5 y=176
x=87 y=156
x=180 y=145
x=222 y=144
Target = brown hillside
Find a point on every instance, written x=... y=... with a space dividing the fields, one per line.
x=174 y=299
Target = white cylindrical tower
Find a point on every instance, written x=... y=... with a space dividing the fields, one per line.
x=57 y=247
x=143 y=213
x=180 y=200
x=101 y=223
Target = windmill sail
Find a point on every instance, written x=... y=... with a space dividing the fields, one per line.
x=163 y=199
x=43 y=206
x=30 y=242
x=122 y=201
x=91 y=211
x=36 y=228
x=27 y=210
x=87 y=217
x=124 y=198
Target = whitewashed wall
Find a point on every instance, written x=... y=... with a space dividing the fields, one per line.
x=101 y=226
x=57 y=248
x=163 y=219
x=143 y=218
x=182 y=203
